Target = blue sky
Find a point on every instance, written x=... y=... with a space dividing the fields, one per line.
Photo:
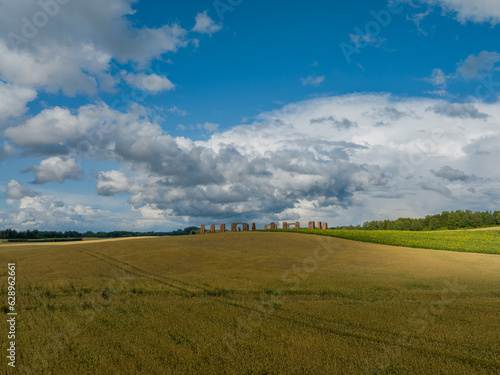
x=134 y=115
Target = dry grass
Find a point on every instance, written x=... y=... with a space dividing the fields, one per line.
x=254 y=303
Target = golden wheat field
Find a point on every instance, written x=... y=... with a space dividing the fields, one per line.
x=252 y=303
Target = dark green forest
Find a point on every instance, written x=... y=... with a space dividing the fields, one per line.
x=445 y=220
x=38 y=235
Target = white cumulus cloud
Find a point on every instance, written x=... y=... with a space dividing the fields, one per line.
x=56 y=169
x=475 y=11
x=341 y=156
x=13 y=100
x=58 y=56
x=205 y=25
x=152 y=83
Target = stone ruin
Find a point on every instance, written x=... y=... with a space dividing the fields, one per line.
x=245 y=227
x=272 y=225
x=312 y=225
x=286 y=225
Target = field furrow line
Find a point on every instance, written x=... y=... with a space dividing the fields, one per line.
x=141 y=273
x=357 y=334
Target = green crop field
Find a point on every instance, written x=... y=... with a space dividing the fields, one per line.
x=251 y=303
x=481 y=241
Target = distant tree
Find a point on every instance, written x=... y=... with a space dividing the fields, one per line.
x=426 y=221
x=443 y=219
x=400 y=224
x=454 y=220
x=488 y=219
x=416 y=225
x=446 y=220
x=476 y=220
x=434 y=223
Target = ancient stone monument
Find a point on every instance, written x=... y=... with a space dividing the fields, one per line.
x=238 y=227
x=286 y=225
x=272 y=225
x=244 y=227
x=203 y=229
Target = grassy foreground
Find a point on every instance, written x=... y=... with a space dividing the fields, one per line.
x=252 y=303
x=485 y=242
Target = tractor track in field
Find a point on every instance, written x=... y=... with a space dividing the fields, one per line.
x=173 y=283
x=354 y=333
x=347 y=331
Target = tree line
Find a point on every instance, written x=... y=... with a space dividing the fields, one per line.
x=445 y=220
x=36 y=234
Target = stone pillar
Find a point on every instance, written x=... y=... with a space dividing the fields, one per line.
x=297 y=225
x=247 y=227
x=233 y=227
x=253 y=226
x=212 y=228
x=325 y=226
x=285 y=225
x=202 y=229
x=320 y=226
x=274 y=225
x=311 y=225
x=222 y=228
